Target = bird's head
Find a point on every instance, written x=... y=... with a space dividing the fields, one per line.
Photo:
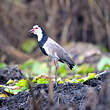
x=36 y=31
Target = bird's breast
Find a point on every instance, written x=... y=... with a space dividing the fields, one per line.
x=47 y=49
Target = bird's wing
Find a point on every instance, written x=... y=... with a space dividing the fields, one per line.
x=55 y=50
x=65 y=57
x=52 y=48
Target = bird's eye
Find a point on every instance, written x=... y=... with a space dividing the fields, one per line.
x=36 y=28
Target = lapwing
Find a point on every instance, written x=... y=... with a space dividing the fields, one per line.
x=51 y=48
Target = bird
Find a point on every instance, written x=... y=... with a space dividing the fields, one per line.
x=51 y=48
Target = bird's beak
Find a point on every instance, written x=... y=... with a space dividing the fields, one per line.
x=31 y=31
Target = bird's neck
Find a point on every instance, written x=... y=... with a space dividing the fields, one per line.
x=42 y=38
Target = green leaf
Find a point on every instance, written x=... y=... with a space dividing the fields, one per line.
x=91 y=76
x=2 y=65
x=85 y=68
x=106 y=67
x=104 y=64
x=80 y=80
x=103 y=49
x=10 y=81
x=60 y=82
x=14 y=89
x=3 y=95
x=76 y=76
x=67 y=80
x=42 y=81
x=22 y=83
x=62 y=71
x=27 y=65
x=74 y=81
x=2 y=85
x=75 y=69
x=19 y=87
x=40 y=68
x=29 y=45
x=37 y=68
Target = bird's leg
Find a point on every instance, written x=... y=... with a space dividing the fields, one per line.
x=57 y=66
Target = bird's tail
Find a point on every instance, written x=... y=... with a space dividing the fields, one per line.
x=69 y=62
x=66 y=58
x=71 y=65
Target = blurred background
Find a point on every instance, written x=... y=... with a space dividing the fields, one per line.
x=66 y=21
x=82 y=27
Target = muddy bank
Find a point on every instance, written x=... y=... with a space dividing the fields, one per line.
x=92 y=95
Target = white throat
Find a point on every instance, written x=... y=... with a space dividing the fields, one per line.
x=39 y=34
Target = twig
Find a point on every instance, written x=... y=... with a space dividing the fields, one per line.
x=50 y=84
x=102 y=73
